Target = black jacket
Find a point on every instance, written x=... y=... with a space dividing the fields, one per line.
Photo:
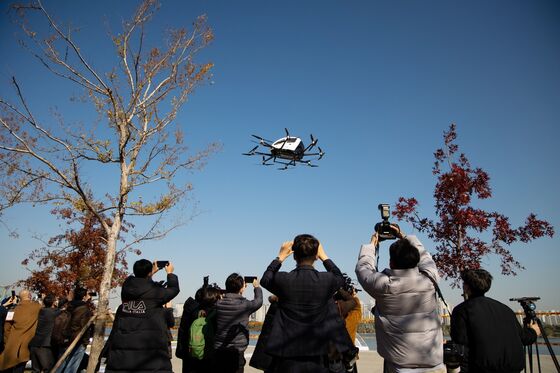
x=307 y=319
x=493 y=336
x=260 y=359
x=44 y=329
x=3 y=313
x=190 y=312
x=139 y=339
x=80 y=315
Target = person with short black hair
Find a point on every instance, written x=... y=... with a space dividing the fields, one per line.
x=204 y=303
x=232 y=318
x=139 y=339
x=234 y=283
x=488 y=329
x=306 y=320
x=42 y=355
x=142 y=268
x=407 y=323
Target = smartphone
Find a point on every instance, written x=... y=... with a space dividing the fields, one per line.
x=92 y=293
x=162 y=263
x=249 y=279
x=13 y=293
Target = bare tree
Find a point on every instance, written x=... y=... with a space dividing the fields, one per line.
x=139 y=145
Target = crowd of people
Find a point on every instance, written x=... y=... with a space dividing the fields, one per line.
x=310 y=326
x=42 y=334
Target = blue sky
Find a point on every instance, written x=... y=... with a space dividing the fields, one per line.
x=377 y=82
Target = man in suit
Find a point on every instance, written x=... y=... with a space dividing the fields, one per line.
x=306 y=321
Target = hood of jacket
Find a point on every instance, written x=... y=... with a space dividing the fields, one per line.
x=135 y=287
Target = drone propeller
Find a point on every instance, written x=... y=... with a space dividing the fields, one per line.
x=285 y=141
x=252 y=151
x=311 y=165
x=263 y=141
x=312 y=144
x=321 y=153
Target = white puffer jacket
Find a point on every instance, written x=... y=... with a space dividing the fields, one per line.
x=407 y=323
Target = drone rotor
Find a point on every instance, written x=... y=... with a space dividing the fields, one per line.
x=252 y=151
x=310 y=164
x=313 y=141
x=263 y=141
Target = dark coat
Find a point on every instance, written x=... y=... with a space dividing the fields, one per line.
x=307 y=319
x=190 y=313
x=492 y=334
x=3 y=314
x=45 y=325
x=260 y=359
x=139 y=339
x=80 y=315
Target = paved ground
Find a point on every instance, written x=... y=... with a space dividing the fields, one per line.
x=371 y=362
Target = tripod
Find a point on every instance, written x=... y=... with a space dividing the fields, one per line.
x=528 y=304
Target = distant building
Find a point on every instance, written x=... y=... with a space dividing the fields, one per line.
x=178 y=309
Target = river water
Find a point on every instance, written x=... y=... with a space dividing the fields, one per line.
x=369 y=339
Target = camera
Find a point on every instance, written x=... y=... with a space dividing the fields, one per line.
x=92 y=293
x=529 y=307
x=162 y=263
x=348 y=286
x=453 y=354
x=383 y=228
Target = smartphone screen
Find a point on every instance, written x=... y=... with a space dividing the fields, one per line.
x=250 y=279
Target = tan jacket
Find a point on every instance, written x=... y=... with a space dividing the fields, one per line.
x=17 y=334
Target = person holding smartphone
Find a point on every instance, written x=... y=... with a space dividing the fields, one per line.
x=139 y=339
x=232 y=318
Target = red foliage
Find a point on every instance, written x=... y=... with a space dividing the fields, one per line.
x=458 y=224
x=75 y=257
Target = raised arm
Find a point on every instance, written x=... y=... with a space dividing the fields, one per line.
x=338 y=279
x=257 y=301
x=372 y=281
x=426 y=263
x=267 y=280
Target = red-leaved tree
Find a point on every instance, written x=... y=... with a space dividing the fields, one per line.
x=459 y=226
x=75 y=257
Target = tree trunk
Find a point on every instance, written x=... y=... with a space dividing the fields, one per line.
x=104 y=290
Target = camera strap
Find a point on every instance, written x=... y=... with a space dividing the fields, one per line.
x=438 y=290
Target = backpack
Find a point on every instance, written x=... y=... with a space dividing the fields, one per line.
x=201 y=336
x=59 y=336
